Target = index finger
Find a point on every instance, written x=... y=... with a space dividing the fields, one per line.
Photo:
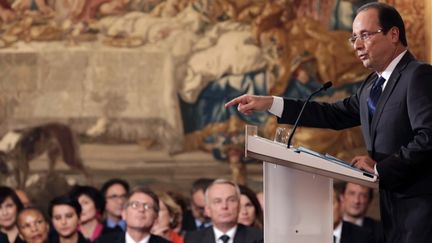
x=234 y=101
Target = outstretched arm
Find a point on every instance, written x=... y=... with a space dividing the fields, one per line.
x=247 y=104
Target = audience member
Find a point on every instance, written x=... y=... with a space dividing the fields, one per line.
x=355 y=201
x=64 y=212
x=140 y=213
x=346 y=232
x=250 y=213
x=222 y=202
x=180 y=200
x=32 y=225
x=92 y=205
x=10 y=205
x=169 y=217
x=22 y=195
x=195 y=218
x=115 y=192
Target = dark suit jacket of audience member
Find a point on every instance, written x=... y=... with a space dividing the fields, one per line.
x=4 y=239
x=120 y=237
x=188 y=222
x=352 y=233
x=55 y=239
x=244 y=234
x=375 y=228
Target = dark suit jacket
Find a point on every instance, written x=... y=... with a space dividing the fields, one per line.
x=120 y=237
x=374 y=227
x=398 y=137
x=55 y=239
x=188 y=222
x=4 y=239
x=352 y=233
x=244 y=234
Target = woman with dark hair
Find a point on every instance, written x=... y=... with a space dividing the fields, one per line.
x=92 y=204
x=32 y=225
x=250 y=213
x=65 y=212
x=10 y=205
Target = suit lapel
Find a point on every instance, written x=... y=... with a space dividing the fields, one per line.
x=240 y=236
x=388 y=90
x=209 y=236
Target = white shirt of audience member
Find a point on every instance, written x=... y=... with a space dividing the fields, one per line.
x=230 y=233
x=337 y=232
x=130 y=240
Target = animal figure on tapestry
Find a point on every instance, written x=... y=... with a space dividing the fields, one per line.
x=19 y=147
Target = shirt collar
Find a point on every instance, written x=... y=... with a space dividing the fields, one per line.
x=337 y=232
x=390 y=68
x=231 y=233
x=198 y=223
x=130 y=240
x=111 y=224
x=358 y=221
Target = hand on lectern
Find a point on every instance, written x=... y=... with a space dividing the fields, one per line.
x=247 y=104
x=364 y=162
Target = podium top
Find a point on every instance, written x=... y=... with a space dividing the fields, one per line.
x=306 y=160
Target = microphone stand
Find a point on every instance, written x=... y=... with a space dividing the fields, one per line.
x=324 y=87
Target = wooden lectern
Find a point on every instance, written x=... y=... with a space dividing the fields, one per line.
x=298 y=189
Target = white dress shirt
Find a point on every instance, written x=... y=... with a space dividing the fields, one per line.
x=130 y=240
x=230 y=233
x=337 y=232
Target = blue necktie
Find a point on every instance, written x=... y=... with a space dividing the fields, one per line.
x=224 y=238
x=374 y=95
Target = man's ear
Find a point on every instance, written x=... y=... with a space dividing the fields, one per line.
x=207 y=211
x=395 y=34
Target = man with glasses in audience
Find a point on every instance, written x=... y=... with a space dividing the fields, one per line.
x=140 y=211
x=394 y=108
x=222 y=205
x=115 y=192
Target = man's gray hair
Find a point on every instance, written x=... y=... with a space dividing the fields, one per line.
x=221 y=182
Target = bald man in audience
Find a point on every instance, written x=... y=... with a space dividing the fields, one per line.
x=356 y=200
x=222 y=205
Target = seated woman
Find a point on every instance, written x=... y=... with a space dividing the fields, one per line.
x=169 y=217
x=32 y=225
x=9 y=206
x=250 y=213
x=65 y=212
x=92 y=204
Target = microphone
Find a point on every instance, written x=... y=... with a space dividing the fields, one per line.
x=324 y=87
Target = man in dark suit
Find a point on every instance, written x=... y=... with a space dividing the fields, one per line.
x=140 y=212
x=195 y=218
x=394 y=108
x=222 y=206
x=356 y=200
x=346 y=232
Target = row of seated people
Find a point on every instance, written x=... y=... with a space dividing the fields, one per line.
x=229 y=213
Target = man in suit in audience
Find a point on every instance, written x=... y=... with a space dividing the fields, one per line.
x=222 y=205
x=195 y=219
x=355 y=203
x=115 y=192
x=140 y=212
x=346 y=232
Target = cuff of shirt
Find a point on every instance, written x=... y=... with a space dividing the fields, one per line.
x=375 y=169
x=277 y=106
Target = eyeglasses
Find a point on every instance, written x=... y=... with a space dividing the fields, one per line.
x=137 y=205
x=363 y=36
